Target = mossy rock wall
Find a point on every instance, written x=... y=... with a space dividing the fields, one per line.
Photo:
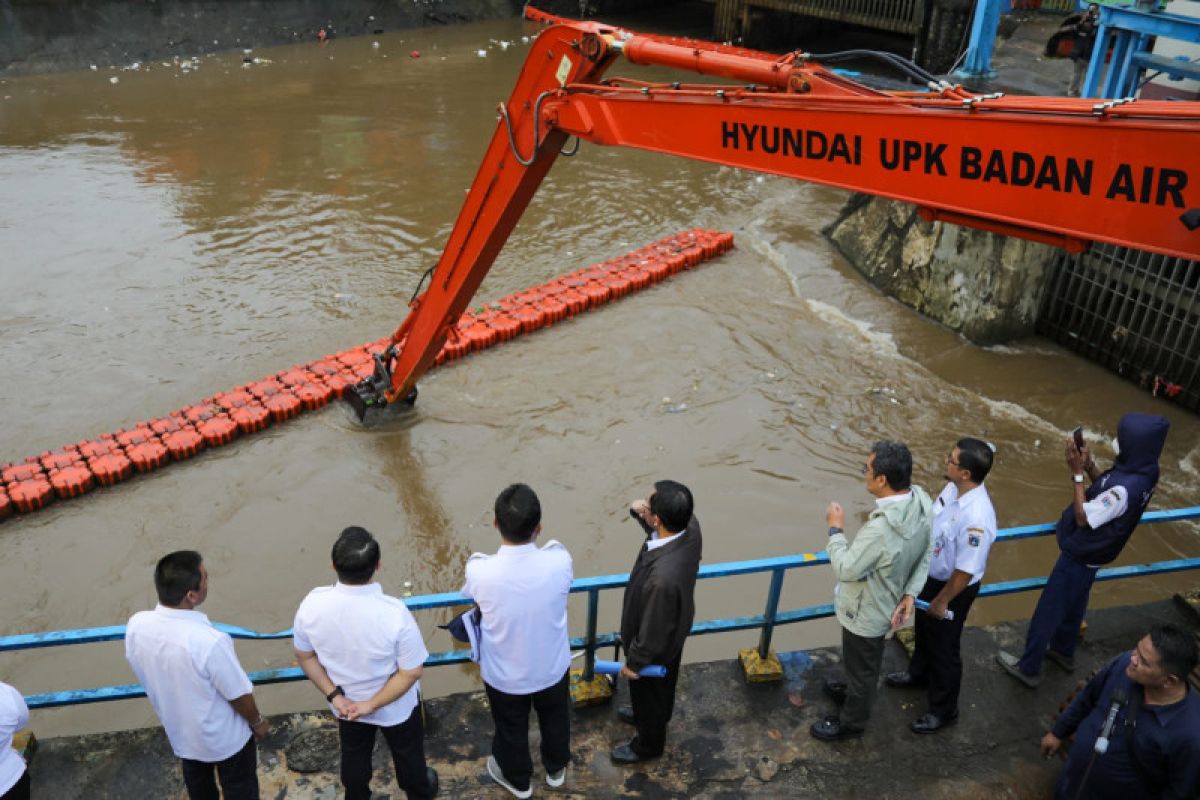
x=985 y=286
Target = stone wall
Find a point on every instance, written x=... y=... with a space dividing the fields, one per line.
x=986 y=287
x=51 y=35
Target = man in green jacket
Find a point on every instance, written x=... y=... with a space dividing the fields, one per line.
x=880 y=574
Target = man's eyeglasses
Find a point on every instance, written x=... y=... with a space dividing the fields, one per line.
x=950 y=460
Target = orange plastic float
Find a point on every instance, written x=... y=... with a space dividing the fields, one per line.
x=110 y=458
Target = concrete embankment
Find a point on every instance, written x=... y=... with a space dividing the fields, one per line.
x=728 y=738
x=39 y=36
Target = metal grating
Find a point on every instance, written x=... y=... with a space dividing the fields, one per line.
x=898 y=16
x=1135 y=312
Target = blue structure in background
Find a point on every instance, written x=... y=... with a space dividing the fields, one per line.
x=1131 y=31
x=978 y=62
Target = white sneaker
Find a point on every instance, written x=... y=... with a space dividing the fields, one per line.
x=494 y=771
x=556 y=779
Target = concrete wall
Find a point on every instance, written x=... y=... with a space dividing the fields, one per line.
x=57 y=35
x=50 y=35
x=984 y=286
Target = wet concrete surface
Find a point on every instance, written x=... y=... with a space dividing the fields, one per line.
x=1020 y=66
x=728 y=738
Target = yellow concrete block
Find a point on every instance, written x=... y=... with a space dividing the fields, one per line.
x=25 y=743
x=597 y=691
x=758 y=669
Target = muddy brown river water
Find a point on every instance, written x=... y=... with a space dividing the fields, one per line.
x=168 y=232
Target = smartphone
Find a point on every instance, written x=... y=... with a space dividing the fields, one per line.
x=1077 y=435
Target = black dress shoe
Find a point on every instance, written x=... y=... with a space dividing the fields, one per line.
x=624 y=754
x=931 y=723
x=625 y=714
x=432 y=775
x=831 y=729
x=902 y=680
x=836 y=690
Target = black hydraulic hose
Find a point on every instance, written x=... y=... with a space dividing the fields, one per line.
x=898 y=62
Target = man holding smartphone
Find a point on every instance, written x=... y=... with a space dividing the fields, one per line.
x=1091 y=532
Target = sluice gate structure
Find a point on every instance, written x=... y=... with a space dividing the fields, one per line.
x=933 y=26
x=1135 y=312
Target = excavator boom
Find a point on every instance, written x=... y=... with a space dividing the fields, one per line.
x=1064 y=171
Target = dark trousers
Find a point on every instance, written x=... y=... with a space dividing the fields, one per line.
x=653 y=702
x=238 y=775
x=407 y=743
x=937 y=657
x=862 y=657
x=510 y=742
x=19 y=790
x=1059 y=613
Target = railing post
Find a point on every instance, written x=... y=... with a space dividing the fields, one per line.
x=589 y=660
x=768 y=628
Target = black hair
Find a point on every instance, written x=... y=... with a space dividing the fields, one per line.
x=518 y=513
x=672 y=504
x=175 y=575
x=975 y=457
x=894 y=462
x=1177 y=651
x=355 y=556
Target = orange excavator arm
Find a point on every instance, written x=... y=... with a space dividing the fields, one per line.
x=1064 y=171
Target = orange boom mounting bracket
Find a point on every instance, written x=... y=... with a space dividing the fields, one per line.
x=1065 y=171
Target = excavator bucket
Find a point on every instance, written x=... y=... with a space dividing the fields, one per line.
x=368 y=397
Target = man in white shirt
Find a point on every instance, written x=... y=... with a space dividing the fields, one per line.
x=363 y=650
x=524 y=653
x=198 y=689
x=14 y=715
x=964 y=527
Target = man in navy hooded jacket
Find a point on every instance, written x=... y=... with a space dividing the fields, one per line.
x=1091 y=533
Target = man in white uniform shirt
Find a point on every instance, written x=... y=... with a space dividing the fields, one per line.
x=964 y=527
x=198 y=689
x=14 y=715
x=363 y=651
x=524 y=654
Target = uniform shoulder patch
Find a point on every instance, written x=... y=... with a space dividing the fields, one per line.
x=974 y=536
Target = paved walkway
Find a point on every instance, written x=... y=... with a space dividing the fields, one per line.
x=1021 y=68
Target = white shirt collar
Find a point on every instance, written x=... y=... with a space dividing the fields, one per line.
x=880 y=502
x=181 y=613
x=363 y=588
x=516 y=549
x=972 y=495
x=654 y=542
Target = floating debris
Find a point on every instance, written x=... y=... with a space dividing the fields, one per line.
x=114 y=79
x=481 y=53
x=678 y=408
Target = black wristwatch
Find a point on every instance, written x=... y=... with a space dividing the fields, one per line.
x=336 y=691
x=834 y=530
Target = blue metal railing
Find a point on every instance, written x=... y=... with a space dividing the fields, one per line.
x=766 y=622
